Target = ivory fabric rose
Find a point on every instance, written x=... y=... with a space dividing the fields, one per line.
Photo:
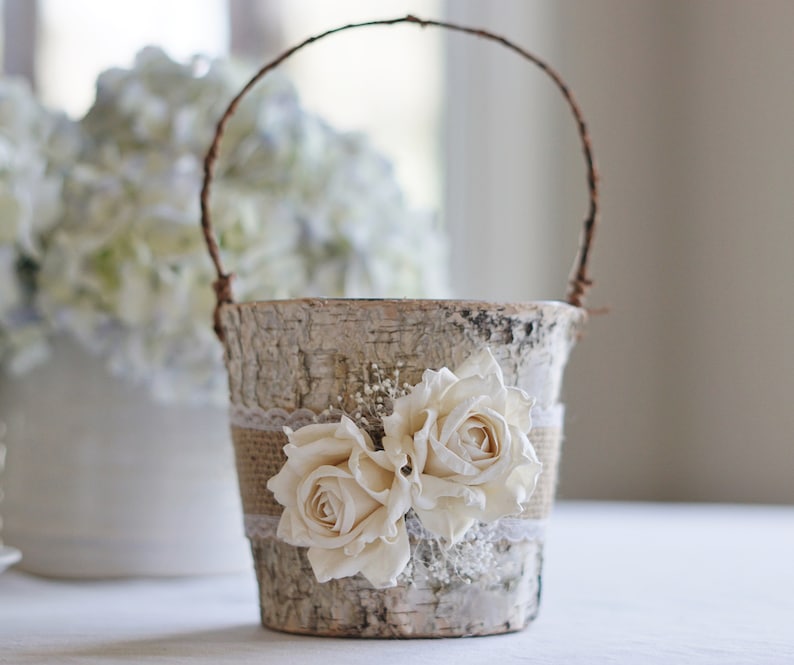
x=343 y=500
x=464 y=435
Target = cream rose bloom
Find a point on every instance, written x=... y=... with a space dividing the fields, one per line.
x=464 y=435
x=343 y=500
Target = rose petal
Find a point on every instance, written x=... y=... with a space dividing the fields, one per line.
x=372 y=472
x=524 y=480
x=488 y=388
x=380 y=562
x=490 y=468
x=478 y=440
x=445 y=521
x=459 y=414
x=522 y=450
x=431 y=490
x=284 y=486
x=518 y=407
x=480 y=364
x=396 y=449
x=500 y=501
x=443 y=462
x=417 y=445
x=331 y=563
x=325 y=450
x=383 y=561
x=292 y=529
x=353 y=497
x=434 y=382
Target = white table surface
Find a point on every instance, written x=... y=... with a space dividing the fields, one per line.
x=623 y=583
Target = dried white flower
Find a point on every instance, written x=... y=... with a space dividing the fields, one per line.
x=464 y=434
x=344 y=502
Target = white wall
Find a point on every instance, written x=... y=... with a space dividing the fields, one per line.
x=683 y=390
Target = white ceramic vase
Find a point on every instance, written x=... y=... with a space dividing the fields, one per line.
x=101 y=481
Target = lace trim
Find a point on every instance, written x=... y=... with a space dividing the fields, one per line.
x=272 y=420
x=512 y=529
x=275 y=420
x=550 y=417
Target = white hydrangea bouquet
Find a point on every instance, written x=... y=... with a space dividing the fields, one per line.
x=36 y=149
x=106 y=300
x=302 y=210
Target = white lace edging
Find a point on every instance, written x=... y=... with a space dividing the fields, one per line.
x=512 y=529
x=275 y=420
x=549 y=417
x=272 y=420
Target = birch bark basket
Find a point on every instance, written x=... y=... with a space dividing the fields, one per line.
x=300 y=356
x=289 y=361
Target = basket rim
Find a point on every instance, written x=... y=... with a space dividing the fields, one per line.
x=416 y=302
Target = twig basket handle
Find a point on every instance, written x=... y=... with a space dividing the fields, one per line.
x=579 y=281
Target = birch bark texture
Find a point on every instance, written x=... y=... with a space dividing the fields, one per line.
x=310 y=354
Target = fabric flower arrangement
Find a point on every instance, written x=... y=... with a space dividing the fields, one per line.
x=455 y=451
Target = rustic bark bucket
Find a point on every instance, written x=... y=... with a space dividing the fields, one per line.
x=301 y=370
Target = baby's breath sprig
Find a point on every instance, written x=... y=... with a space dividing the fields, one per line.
x=373 y=402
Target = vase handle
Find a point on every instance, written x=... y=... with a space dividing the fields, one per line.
x=579 y=282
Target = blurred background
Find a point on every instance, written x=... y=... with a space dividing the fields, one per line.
x=684 y=390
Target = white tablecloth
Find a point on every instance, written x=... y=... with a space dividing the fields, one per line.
x=623 y=583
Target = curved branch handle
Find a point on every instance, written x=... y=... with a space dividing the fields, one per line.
x=579 y=282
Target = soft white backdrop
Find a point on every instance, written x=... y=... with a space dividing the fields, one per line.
x=683 y=391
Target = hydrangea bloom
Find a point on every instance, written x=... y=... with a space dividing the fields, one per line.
x=36 y=146
x=300 y=210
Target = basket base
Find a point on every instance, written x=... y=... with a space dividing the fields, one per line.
x=436 y=597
